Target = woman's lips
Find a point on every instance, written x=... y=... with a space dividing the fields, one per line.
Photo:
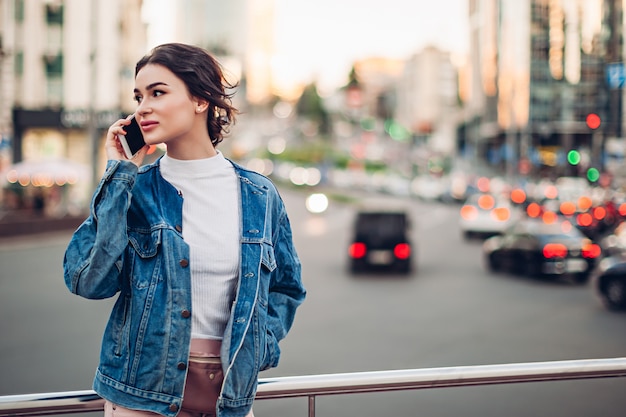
x=148 y=125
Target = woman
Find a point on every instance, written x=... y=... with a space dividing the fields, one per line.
x=199 y=249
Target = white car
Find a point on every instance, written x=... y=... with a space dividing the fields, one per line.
x=485 y=215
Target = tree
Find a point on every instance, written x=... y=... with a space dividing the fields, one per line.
x=310 y=105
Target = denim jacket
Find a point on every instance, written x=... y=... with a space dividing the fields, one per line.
x=131 y=244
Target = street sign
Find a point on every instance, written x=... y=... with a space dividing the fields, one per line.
x=615 y=74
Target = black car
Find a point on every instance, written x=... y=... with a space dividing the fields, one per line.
x=609 y=281
x=535 y=248
x=380 y=242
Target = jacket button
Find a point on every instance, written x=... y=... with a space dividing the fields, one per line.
x=173 y=407
x=182 y=366
x=179 y=228
x=184 y=263
x=186 y=314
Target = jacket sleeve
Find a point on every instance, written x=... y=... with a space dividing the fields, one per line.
x=286 y=290
x=93 y=258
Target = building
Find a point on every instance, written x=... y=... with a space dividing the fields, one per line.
x=539 y=69
x=67 y=73
x=427 y=98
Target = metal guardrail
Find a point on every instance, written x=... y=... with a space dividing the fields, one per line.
x=311 y=386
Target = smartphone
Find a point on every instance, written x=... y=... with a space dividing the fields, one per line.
x=133 y=141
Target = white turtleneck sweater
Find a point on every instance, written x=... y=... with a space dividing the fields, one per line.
x=211 y=229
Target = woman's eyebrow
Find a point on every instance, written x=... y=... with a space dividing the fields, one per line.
x=151 y=86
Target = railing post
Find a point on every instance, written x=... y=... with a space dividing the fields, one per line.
x=311 y=405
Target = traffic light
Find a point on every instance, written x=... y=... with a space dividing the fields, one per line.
x=573 y=157
x=593 y=174
x=593 y=121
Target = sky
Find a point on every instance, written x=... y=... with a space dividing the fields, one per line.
x=319 y=40
x=322 y=38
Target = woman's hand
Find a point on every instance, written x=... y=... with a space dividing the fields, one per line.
x=113 y=147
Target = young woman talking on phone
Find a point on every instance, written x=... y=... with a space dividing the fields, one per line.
x=198 y=250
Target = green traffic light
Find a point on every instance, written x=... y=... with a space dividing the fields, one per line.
x=573 y=157
x=593 y=174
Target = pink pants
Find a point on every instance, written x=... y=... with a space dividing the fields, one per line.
x=204 y=381
x=112 y=410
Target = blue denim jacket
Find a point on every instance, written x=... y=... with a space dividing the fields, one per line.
x=132 y=244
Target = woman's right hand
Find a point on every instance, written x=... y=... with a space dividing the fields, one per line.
x=113 y=147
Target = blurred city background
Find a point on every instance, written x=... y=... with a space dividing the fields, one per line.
x=415 y=99
x=468 y=116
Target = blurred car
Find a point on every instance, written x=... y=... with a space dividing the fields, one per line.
x=380 y=241
x=428 y=187
x=535 y=248
x=608 y=280
x=485 y=215
x=614 y=243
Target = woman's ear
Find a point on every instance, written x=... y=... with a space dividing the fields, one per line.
x=201 y=105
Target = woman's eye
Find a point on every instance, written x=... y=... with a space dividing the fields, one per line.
x=137 y=99
x=157 y=93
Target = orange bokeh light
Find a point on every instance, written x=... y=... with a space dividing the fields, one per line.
x=568 y=208
x=486 y=202
x=549 y=217
x=584 y=219
x=533 y=210
x=584 y=203
x=566 y=226
x=551 y=192
x=501 y=214
x=469 y=212
x=518 y=196
x=599 y=213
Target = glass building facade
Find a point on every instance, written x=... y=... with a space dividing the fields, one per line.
x=547 y=65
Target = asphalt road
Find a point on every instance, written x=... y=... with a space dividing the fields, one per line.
x=450 y=312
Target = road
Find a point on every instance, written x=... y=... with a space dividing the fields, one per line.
x=450 y=312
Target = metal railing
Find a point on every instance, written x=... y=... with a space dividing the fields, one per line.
x=311 y=386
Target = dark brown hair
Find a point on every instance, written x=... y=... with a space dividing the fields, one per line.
x=204 y=78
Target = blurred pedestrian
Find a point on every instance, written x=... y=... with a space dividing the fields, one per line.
x=199 y=249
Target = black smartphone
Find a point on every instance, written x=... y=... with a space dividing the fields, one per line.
x=133 y=141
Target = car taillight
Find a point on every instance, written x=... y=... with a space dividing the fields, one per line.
x=402 y=251
x=599 y=213
x=469 y=212
x=591 y=251
x=554 y=250
x=501 y=214
x=357 y=250
x=584 y=219
x=533 y=210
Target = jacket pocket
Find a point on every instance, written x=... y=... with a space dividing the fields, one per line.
x=145 y=246
x=268 y=260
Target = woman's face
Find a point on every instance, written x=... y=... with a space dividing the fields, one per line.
x=166 y=111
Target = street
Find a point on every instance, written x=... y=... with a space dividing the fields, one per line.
x=449 y=312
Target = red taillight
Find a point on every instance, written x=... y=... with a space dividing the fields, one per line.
x=402 y=251
x=554 y=250
x=357 y=250
x=469 y=212
x=591 y=251
x=599 y=213
x=533 y=210
x=584 y=219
